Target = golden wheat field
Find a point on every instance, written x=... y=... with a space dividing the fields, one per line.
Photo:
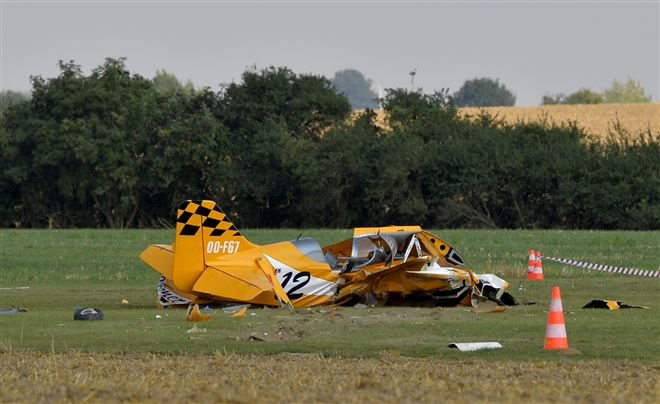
x=597 y=120
x=86 y=377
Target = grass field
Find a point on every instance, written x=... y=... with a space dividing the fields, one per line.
x=389 y=353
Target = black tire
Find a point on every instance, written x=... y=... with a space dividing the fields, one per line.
x=87 y=313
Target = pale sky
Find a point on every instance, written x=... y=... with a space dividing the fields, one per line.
x=533 y=48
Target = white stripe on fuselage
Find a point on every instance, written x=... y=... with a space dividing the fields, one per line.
x=295 y=282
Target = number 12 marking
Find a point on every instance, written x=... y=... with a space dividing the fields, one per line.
x=299 y=281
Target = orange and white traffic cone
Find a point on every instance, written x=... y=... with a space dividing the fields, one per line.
x=538 y=267
x=555 y=333
x=530 y=264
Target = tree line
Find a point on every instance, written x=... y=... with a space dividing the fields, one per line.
x=488 y=92
x=477 y=92
x=279 y=149
x=629 y=92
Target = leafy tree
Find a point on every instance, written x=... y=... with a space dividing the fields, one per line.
x=187 y=154
x=622 y=183
x=47 y=185
x=583 y=96
x=483 y=92
x=340 y=180
x=430 y=147
x=426 y=115
x=628 y=92
x=9 y=195
x=307 y=104
x=271 y=116
x=9 y=98
x=168 y=83
x=553 y=99
x=278 y=149
x=356 y=88
x=79 y=143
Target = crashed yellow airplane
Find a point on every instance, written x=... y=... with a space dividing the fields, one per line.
x=211 y=262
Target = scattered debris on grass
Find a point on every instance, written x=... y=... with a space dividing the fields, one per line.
x=279 y=334
x=287 y=334
x=488 y=306
x=474 y=346
x=194 y=314
x=14 y=310
x=240 y=313
x=195 y=330
x=610 y=305
x=235 y=308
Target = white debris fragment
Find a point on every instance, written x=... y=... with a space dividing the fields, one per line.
x=195 y=330
x=474 y=346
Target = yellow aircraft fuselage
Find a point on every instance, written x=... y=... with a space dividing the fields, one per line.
x=211 y=261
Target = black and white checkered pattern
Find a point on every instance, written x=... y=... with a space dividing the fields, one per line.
x=213 y=218
x=605 y=268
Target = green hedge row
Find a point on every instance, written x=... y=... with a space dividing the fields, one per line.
x=280 y=149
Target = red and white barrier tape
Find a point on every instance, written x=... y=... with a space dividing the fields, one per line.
x=605 y=268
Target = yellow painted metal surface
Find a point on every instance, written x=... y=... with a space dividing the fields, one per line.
x=358 y=231
x=211 y=261
x=161 y=258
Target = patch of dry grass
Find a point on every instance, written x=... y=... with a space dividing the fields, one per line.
x=39 y=377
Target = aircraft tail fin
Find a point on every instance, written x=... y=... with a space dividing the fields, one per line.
x=203 y=233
